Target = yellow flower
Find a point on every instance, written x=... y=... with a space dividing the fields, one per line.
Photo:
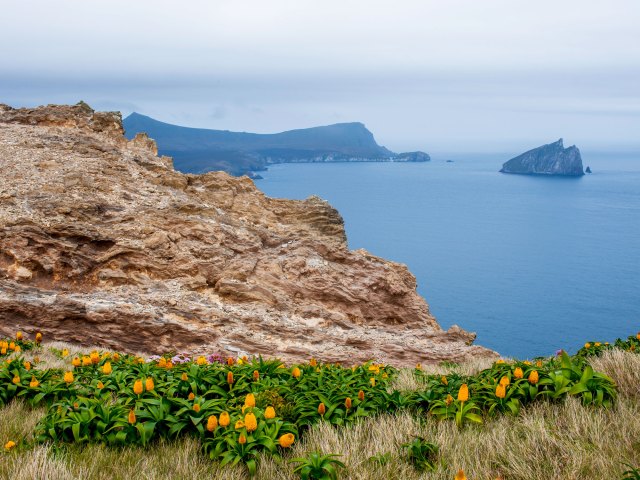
x=116 y=356
x=463 y=393
x=201 y=360
x=269 y=413
x=149 y=385
x=16 y=380
x=539 y=363
x=212 y=423
x=296 y=372
x=460 y=475
x=597 y=344
x=239 y=424
x=86 y=361
x=505 y=381
x=229 y=378
x=18 y=336
x=256 y=375
x=242 y=439
x=418 y=366
x=10 y=445
x=527 y=362
x=286 y=440
x=38 y=337
x=321 y=409
x=250 y=422
x=132 y=416
x=184 y=377
x=106 y=368
x=34 y=382
x=372 y=381
x=587 y=345
x=12 y=346
x=192 y=396
x=314 y=363
x=533 y=377
x=162 y=363
x=444 y=380
x=68 y=377
x=500 y=362
x=347 y=403
x=27 y=366
x=224 y=419
x=196 y=407
x=100 y=385
x=250 y=400
x=17 y=349
x=501 y=391
x=518 y=373
x=137 y=387
x=638 y=336
x=449 y=400
x=361 y=396
x=75 y=362
x=95 y=357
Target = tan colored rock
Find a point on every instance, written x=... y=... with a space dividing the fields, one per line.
x=102 y=242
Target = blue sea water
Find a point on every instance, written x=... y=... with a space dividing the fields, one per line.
x=532 y=264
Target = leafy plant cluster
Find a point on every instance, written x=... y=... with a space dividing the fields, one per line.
x=242 y=407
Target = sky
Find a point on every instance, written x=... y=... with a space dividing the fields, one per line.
x=432 y=75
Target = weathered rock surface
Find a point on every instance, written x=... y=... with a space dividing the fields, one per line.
x=551 y=159
x=102 y=242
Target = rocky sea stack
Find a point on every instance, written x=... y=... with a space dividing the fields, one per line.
x=103 y=242
x=551 y=159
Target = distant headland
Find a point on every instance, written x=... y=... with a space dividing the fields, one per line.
x=551 y=159
x=199 y=150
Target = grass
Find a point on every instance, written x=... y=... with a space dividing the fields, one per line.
x=545 y=441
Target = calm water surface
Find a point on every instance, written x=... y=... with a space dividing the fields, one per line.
x=531 y=264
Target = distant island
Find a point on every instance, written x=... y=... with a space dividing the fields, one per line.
x=199 y=150
x=551 y=159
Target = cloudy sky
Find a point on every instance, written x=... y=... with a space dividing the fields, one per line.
x=440 y=76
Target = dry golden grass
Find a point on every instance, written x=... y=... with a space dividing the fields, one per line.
x=546 y=441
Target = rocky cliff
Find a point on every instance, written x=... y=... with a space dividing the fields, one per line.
x=199 y=150
x=102 y=242
x=551 y=159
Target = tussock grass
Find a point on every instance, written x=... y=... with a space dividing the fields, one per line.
x=546 y=441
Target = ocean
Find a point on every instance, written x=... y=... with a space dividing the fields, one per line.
x=531 y=264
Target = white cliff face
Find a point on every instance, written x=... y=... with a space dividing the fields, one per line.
x=102 y=242
x=551 y=159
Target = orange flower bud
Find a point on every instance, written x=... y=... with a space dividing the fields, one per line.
x=269 y=413
x=286 y=440
x=321 y=409
x=256 y=375
x=132 y=416
x=361 y=396
x=518 y=373
x=242 y=439
x=212 y=423
x=149 y=385
x=250 y=422
x=225 y=420
x=533 y=377
x=137 y=387
x=347 y=403
x=230 y=377
x=463 y=393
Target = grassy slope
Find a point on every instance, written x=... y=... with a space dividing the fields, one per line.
x=546 y=441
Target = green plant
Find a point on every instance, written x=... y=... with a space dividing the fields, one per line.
x=318 y=467
x=632 y=474
x=421 y=454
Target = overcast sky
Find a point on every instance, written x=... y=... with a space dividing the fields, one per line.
x=435 y=75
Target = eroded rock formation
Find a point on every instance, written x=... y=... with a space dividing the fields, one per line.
x=102 y=242
x=551 y=159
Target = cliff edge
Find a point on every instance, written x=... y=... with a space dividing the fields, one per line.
x=103 y=242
